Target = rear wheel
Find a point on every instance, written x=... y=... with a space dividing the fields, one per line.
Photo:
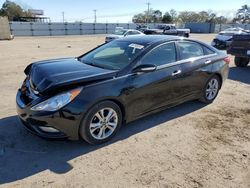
x=241 y=61
x=101 y=122
x=211 y=89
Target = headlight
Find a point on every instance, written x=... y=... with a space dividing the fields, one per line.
x=56 y=102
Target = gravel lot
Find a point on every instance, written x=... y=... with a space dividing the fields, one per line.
x=191 y=145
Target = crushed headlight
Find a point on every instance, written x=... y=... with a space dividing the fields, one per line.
x=57 y=102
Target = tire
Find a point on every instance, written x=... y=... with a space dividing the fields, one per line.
x=186 y=35
x=241 y=61
x=97 y=130
x=211 y=89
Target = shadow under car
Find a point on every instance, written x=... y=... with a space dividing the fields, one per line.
x=23 y=155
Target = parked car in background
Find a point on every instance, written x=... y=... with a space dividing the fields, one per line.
x=142 y=27
x=91 y=96
x=168 y=29
x=120 y=33
x=224 y=38
x=240 y=48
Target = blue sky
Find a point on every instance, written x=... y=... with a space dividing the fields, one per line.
x=123 y=10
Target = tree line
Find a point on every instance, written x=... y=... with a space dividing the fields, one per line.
x=172 y=16
x=13 y=11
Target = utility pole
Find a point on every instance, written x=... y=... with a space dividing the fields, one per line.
x=63 y=16
x=95 y=15
x=147 y=19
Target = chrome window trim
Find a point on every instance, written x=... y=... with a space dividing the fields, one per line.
x=185 y=61
x=158 y=47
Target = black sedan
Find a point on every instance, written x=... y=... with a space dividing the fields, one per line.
x=91 y=96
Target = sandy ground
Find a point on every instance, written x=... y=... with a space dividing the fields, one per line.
x=191 y=145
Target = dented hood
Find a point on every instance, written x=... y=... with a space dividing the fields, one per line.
x=52 y=74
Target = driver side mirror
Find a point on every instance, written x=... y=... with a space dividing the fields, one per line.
x=145 y=68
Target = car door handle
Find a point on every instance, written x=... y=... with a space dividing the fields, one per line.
x=176 y=72
x=208 y=61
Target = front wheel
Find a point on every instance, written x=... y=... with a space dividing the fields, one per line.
x=241 y=61
x=211 y=90
x=101 y=122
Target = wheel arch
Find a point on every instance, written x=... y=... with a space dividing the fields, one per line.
x=114 y=100
x=121 y=106
x=220 y=77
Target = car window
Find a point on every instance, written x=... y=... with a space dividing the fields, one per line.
x=161 y=55
x=207 y=51
x=120 y=32
x=129 y=33
x=167 y=28
x=190 y=49
x=108 y=52
x=132 y=33
x=135 y=32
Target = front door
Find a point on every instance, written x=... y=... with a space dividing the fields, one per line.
x=146 y=92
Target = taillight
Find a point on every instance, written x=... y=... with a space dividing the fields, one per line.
x=227 y=59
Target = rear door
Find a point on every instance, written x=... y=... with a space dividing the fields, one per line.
x=196 y=66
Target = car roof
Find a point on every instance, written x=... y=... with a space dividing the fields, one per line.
x=148 y=39
x=131 y=30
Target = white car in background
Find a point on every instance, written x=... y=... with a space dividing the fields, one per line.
x=120 y=33
x=224 y=38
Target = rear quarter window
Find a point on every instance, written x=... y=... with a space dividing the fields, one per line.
x=190 y=49
x=208 y=51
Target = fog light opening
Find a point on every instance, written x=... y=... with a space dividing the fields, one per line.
x=49 y=129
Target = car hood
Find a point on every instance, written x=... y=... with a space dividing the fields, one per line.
x=224 y=37
x=49 y=75
x=227 y=35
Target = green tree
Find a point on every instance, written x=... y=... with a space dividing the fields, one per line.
x=173 y=13
x=139 y=18
x=12 y=10
x=156 y=16
x=243 y=14
x=203 y=17
x=153 y=16
x=167 y=18
x=188 y=16
x=221 y=20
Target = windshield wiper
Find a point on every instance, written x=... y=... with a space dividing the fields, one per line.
x=94 y=65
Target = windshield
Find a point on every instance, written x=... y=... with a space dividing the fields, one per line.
x=120 y=32
x=161 y=27
x=114 y=55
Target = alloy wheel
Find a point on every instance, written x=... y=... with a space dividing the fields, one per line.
x=212 y=89
x=103 y=123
